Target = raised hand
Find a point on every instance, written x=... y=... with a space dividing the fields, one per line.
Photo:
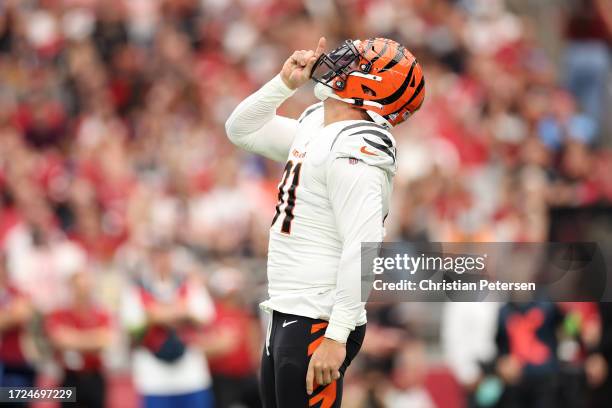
x=296 y=70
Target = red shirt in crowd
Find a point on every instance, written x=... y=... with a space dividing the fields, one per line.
x=156 y=335
x=91 y=319
x=237 y=362
x=11 y=352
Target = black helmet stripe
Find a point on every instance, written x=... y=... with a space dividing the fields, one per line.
x=399 y=54
x=381 y=53
x=412 y=98
x=400 y=91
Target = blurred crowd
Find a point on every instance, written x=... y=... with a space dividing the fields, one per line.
x=134 y=235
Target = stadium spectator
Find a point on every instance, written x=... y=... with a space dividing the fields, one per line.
x=527 y=354
x=16 y=313
x=408 y=377
x=232 y=343
x=468 y=333
x=588 y=29
x=578 y=335
x=598 y=365
x=79 y=334
x=163 y=311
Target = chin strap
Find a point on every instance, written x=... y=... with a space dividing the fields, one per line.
x=357 y=102
x=379 y=119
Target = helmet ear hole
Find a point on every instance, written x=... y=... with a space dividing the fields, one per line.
x=368 y=91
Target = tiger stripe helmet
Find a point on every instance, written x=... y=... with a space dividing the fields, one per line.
x=377 y=75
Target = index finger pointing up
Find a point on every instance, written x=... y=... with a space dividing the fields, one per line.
x=320 y=47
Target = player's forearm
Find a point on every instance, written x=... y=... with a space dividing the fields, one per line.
x=254 y=125
x=348 y=302
x=348 y=305
x=357 y=200
x=257 y=109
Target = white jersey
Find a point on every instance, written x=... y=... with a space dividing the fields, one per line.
x=333 y=195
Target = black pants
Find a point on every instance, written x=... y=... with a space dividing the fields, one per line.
x=532 y=392
x=90 y=389
x=601 y=396
x=236 y=391
x=284 y=364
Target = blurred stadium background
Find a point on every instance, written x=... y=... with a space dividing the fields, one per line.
x=115 y=170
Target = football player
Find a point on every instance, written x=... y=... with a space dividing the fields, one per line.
x=333 y=195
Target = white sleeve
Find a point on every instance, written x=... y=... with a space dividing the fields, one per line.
x=357 y=192
x=468 y=323
x=454 y=331
x=255 y=126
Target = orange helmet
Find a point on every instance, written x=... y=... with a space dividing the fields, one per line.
x=377 y=75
